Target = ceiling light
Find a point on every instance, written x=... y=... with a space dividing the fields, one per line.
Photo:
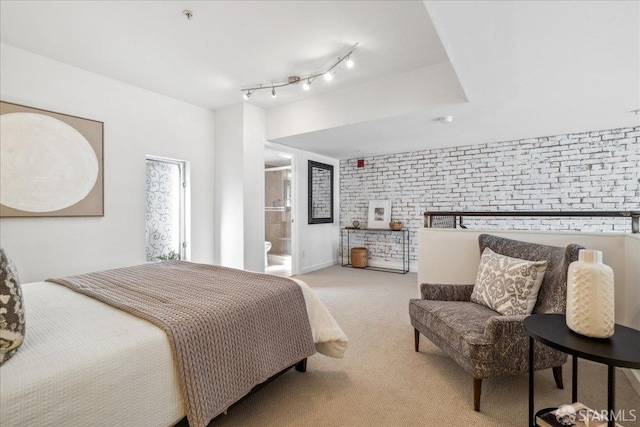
x=247 y=95
x=349 y=62
x=445 y=119
x=328 y=75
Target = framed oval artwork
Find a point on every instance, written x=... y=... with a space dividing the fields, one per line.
x=51 y=164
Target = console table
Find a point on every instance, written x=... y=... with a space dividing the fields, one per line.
x=402 y=239
x=620 y=350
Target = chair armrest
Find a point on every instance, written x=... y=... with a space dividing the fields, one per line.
x=440 y=292
x=511 y=327
x=509 y=341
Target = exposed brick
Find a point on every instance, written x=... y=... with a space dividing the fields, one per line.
x=597 y=170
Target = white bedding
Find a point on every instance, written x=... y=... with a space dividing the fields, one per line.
x=85 y=363
x=328 y=336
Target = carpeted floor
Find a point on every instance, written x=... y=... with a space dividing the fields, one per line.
x=383 y=382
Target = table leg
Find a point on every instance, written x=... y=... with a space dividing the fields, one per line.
x=342 y=246
x=531 y=370
x=403 y=253
x=574 y=379
x=611 y=395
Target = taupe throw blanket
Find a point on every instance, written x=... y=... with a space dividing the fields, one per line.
x=229 y=329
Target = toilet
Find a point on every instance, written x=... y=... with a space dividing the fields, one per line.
x=267 y=248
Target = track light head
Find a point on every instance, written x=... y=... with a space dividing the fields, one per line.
x=273 y=92
x=247 y=95
x=328 y=76
x=306 y=85
x=349 y=62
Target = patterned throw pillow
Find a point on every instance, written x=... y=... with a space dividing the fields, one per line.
x=508 y=285
x=12 y=326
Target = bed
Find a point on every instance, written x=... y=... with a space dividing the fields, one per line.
x=84 y=362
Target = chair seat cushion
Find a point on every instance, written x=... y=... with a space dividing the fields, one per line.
x=459 y=324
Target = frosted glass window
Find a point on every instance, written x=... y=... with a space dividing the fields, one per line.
x=163 y=222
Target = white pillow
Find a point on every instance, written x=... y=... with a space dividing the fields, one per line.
x=508 y=285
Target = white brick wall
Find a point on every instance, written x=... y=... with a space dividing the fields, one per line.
x=597 y=170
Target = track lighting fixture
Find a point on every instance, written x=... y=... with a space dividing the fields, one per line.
x=328 y=75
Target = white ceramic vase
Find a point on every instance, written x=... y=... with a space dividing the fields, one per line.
x=590 y=297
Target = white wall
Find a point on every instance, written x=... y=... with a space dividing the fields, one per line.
x=254 y=139
x=229 y=186
x=239 y=189
x=632 y=251
x=314 y=246
x=416 y=90
x=137 y=122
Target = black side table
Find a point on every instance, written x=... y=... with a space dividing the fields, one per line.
x=620 y=350
x=405 y=244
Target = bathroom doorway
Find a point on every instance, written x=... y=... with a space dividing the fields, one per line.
x=277 y=212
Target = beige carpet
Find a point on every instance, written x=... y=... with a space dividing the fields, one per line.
x=383 y=382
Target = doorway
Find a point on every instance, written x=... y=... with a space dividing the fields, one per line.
x=166 y=211
x=278 y=213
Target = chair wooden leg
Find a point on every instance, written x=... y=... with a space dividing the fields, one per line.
x=557 y=375
x=477 y=388
x=416 y=338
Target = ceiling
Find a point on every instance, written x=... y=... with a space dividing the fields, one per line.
x=227 y=45
x=276 y=158
x=526 y=69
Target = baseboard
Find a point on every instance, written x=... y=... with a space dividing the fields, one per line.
x=311 y=268
x=391 y=264
x=372 y=263
x=634 y=378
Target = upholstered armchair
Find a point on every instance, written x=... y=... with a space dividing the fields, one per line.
x=482 y=341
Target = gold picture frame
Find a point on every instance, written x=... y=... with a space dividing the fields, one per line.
x=51 y=164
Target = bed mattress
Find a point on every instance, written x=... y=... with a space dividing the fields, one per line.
x=79 y=353
x=86 y=363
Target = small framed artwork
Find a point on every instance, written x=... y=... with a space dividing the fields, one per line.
x=379 y=213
